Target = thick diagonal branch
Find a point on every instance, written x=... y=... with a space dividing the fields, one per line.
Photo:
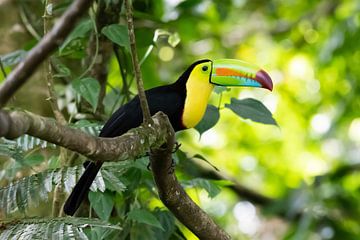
x=175 y=198
x=37 y=55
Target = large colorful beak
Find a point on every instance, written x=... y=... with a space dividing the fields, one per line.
x=231 y=72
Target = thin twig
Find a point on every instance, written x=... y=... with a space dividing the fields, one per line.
x=135 y=62
x=26 y=21
x=59 y=194
x=96 y=36
x=37 y=55
x=2 y=69
x=48 y=67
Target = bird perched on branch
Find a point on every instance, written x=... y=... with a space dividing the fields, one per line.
x=184 y=102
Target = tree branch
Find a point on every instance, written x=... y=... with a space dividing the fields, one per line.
x=134 y=143
x=135 y=62
x=47 y=44
x=175 y=198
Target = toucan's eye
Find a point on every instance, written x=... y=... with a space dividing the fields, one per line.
x=205 y=68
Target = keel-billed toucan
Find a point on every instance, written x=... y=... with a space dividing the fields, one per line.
x=184 y=102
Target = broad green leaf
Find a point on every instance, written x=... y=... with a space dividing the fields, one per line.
x=89 y=89
x=80 y=31
x=209 y=120
x=117 y=34
x=144 y=216
x=102 y=203
x=167 y=221
x=251 y=109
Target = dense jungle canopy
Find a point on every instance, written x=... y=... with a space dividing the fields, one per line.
x=298 y=179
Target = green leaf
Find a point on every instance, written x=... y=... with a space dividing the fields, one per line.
x=251 y=109
x=144 y=216
x=117 y=34
x=221 y=89
x=167 y=221
x=102 y=203
x=174 y=39
x=62 y=70
x=209 y=186
x=13 y=58
x=89 y=89
x=113 y=182
x=52 y=228
x=80 y=31
x=34 y=159
x=201 y=157
x=209 y=120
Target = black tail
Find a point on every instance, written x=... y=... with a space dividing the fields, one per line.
x=81 y=188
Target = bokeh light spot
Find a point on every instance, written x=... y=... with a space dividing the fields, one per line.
x=166 y=53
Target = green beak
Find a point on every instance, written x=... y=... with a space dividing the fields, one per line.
x=232 y=72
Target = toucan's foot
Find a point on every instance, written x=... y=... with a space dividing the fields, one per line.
x=177 y=146
x=171 y=169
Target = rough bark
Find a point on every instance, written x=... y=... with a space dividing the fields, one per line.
x=175 y=198
x=134 y=143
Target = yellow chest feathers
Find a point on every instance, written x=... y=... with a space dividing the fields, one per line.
x=198 y=90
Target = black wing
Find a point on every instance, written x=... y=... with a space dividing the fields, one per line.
x=129 y=116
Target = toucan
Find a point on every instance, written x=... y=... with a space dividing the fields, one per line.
x=184 y=102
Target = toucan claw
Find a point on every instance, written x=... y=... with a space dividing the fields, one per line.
x=176 y=147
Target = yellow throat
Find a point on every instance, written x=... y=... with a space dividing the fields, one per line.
x=198 y=90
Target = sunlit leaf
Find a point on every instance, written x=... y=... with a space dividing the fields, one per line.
x=212 y=189
x=174 y=39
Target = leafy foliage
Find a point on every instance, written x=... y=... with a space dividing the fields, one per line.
x=309 y=48
x=53 y=228
x=19 y=195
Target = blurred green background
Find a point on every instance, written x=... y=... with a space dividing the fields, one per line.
x=308 y=166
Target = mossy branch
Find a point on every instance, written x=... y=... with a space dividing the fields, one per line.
x=134 y=143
